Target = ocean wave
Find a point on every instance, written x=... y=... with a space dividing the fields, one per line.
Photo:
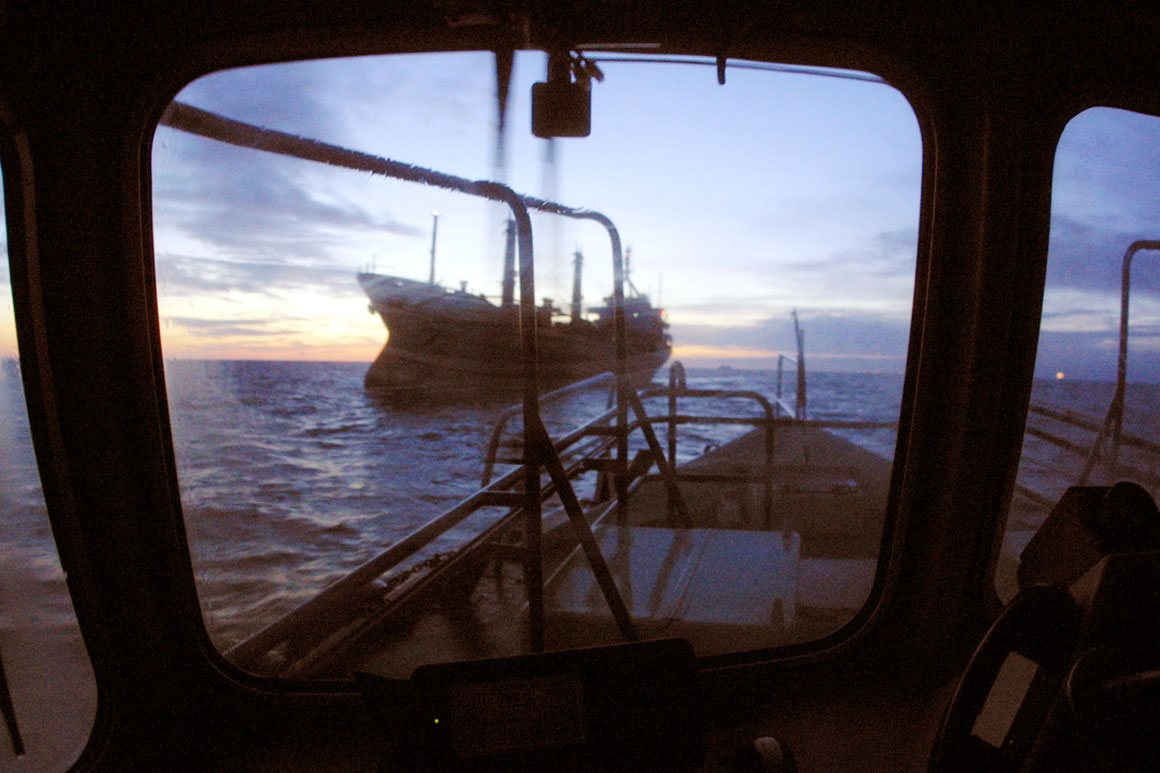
x=292 y=473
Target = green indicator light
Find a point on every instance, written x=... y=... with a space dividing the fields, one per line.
x=437 y=720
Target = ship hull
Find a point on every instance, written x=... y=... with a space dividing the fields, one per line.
x=455 y=343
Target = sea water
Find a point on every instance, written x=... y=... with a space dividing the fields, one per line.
x=292 y=473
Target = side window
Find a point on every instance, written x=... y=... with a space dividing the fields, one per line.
x=1084 y=429
x=331 y=485
x=49 y=695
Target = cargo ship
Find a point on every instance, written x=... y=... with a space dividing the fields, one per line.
x=445 y=341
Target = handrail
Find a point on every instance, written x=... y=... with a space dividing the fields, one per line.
x=1076 y=419
x=410 y=594
x=249 y=651
x=1048 y=433
x=800 y=336
x=677 y=381
x=539 y=454
x=346 y=587
x=799 y=409
x=781 y=404
x=675 y=504
x=1114 y=419
x=549 y=398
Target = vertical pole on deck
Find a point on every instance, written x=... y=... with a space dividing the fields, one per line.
x=623 y=387
x=801 y=368
x=434 y=232
x=1114 y=419
x=676 y=380
x=668 y=471
x=533 y=454
x=533 y=563
x=577 y=298
x=1122 y=360
x=780 y=360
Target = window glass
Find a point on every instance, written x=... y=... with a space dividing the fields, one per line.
x=51 y=686
x=306 y=449
x=1104 y=201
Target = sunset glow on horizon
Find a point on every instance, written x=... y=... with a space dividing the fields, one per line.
x=776 y=192
x=802 y=193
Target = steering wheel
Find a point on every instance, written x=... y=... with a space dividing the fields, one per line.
x=1067 y=679
x=1011 y=682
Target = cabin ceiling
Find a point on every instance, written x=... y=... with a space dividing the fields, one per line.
x=1080 y=42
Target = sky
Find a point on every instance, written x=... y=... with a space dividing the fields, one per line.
x=740 y=203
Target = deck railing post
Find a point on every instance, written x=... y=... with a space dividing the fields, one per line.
x=676 y=383
x=667 y=470
x=1114 y=419
x=800 y=412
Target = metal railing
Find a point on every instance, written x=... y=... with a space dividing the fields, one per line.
x=539 y=453
x=778 y=400
x=579 y=451
x=677 y=389
x=491 y=457
x=1077 y=466
x=1113 y=425
x=521 y=491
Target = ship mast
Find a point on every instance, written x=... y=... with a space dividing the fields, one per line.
x=577 y=264
x=628 y=271
x=509 y=267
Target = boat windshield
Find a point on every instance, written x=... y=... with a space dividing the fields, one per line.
x=345 y=334
x=1101 y=308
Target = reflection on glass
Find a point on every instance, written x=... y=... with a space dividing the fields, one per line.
x=306 y=448
x=1104 y=194
x=53 y=692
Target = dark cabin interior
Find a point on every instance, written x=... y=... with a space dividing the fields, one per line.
x=993 y=86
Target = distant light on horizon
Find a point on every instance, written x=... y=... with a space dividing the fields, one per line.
x=1059 y=374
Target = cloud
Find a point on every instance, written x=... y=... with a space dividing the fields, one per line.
x=290 y=98
x=854 y=341
x=252 y=203
x=1087 y=255
x=384 y=105
x=1108 y=167
x=874 y=278
x=218 y=329
x=1105 y=195
x=885 y=255
x=187 y=275
x=249 y=203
